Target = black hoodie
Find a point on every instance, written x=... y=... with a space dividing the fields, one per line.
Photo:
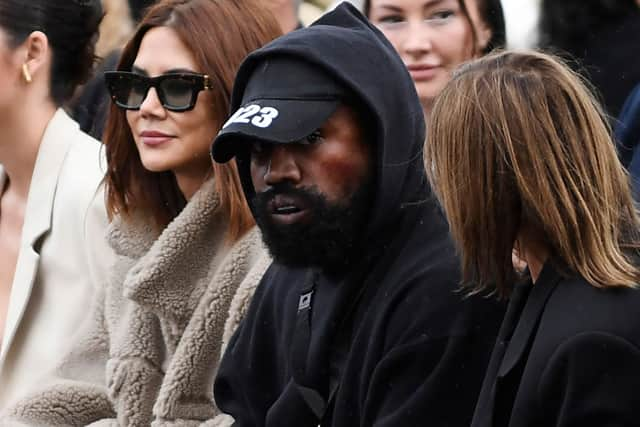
x=393 y=343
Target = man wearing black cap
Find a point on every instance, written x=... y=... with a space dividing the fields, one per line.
x=358 y=322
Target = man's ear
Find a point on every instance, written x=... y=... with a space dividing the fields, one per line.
x=36 y=54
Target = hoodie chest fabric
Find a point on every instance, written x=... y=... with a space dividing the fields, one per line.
x=408 y=311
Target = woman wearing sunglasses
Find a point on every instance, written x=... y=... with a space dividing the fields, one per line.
x=189 y=256
x=568 y=351
x=52 y=213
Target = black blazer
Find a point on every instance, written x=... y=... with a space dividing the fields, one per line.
x=568 y=354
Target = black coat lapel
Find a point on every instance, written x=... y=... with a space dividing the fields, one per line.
x=483 y=415
x=528 y=323
x=516 y=333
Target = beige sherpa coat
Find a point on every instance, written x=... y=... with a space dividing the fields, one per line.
x=170 y=306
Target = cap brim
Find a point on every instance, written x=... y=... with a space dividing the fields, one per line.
x=295 y=119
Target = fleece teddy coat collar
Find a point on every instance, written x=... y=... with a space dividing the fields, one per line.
x=171 y=304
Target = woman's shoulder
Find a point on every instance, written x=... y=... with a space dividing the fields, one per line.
x=69 y=166
x=86 y=155
x=249 y=251
x=579 y=307
x=250 y=254
x=84 y=164
x=582 y=290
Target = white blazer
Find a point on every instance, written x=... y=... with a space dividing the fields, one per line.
x=63 y=255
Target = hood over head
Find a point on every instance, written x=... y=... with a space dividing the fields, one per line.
x=340 y=55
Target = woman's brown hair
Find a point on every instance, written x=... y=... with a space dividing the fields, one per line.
x=220 y=34
x=517 y=142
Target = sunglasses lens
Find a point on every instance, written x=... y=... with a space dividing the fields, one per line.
x=136 y=93
x=127 y=91
x=178 y=92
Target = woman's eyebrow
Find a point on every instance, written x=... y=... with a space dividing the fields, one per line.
x=394 y=8
x=143 y=72
x=432 y=3
x=138 y=70
x=390 y=7
x=180 y=70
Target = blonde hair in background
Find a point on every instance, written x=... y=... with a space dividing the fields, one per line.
x=517 y=142
x=116 y=27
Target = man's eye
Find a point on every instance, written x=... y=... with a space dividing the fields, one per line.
x=313 y=138
x=258 y=148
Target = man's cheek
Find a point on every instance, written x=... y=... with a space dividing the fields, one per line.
x=257 y=176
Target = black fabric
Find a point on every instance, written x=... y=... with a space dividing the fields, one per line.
x=516 y=304
x=138 y=8
x=303 y=102
x=628 y=137
x=602 y=42
x=573 y=358
x=417 y=348
x=611 y=58
x=90 y=108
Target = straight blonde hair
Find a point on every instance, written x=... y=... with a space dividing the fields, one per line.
x=516 y=141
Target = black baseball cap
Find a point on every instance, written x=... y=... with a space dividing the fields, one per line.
x=285 y=99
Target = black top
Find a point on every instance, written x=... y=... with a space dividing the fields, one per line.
x=628 y=137
x=602 y=37
x=91 y=106
x=394 y=339
x=568 y=354
x=416 y=350
x=611 y=58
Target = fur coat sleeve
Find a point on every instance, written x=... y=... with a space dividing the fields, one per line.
x=98 y=385
x=76 y=393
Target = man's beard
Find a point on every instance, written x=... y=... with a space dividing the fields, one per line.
x=330 y=239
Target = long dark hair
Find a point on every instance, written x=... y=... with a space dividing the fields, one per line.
x=71 y=27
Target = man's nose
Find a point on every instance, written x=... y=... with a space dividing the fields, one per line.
x=282 y=166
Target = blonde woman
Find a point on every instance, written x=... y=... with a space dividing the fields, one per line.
x=534 y=168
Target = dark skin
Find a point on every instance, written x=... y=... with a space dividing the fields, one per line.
x=334 y=161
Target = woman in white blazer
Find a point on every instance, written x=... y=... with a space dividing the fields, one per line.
x=189 y=256
x=52 y=212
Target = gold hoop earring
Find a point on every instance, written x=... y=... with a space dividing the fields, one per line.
x=26 y=74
